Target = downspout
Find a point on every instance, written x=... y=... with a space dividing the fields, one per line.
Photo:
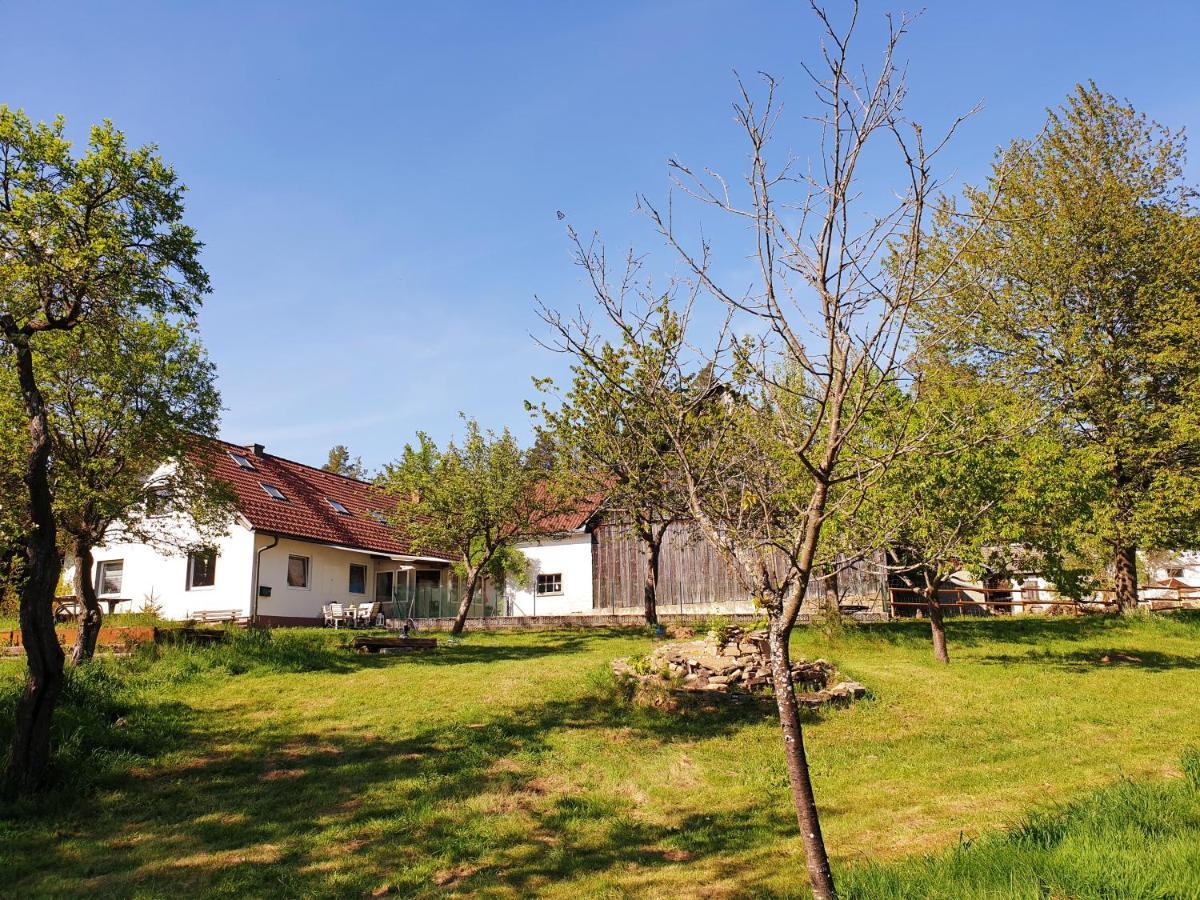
x=257 y=568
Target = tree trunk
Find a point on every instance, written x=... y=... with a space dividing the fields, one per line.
x=650 y=589
x=1125 y=578
x=29 y=756
x=937 y=624
x=85 y=592
x=819 y=874
x=464 y=607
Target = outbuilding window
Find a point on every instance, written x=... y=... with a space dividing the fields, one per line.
x=297 y=575
x=202 y=569
x=549 y=584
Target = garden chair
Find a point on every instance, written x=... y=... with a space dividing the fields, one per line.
x=364 y=615
x=327 y=614
x=338 y=614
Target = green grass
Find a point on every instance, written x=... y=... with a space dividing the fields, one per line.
x=509 y=764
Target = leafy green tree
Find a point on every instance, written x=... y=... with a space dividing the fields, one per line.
x=609 y=438
x=972 y=482
x=90 y=238
x=340 y=462
x=474 y=500
x=125 y=406
x=1081 y=287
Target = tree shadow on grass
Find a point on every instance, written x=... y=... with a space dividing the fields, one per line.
x=462 y=807
x=972 y=631
x=1098 y=659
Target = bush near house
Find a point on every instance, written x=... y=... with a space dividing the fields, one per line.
x=281 y=764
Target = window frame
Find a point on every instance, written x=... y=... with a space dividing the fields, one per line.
x=242 y=461
x=191 y=570
x=272 y=490
x=537 y=586
x=338 y=507
x=307 y=586
x=350 y=580
x=1175 y=571
x=101 y=573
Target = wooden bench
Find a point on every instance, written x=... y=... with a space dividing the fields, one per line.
x=375 y=644
x=218 y=615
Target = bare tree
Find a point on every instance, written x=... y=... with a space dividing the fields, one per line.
x=768 y=430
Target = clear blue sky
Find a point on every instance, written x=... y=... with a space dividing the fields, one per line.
x=377 y=183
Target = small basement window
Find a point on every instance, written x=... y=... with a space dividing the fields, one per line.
x=109 y=576
x=272 y=491
x=549 y=584
x=338 y=506
x=358 y=579
x=202 y=569
x=297 y=575
x=242 y=460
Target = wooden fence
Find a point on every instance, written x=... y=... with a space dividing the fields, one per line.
x=968 y=599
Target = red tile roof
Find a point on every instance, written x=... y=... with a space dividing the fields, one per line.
x=306 y=513
x=574 y=518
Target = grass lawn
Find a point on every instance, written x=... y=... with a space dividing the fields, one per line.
x=509 y=765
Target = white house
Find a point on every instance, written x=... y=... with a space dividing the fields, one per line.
x=301 y=538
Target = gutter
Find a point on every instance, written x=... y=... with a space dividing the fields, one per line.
x=257 y=568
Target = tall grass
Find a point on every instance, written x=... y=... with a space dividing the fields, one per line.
x=1133 y=841
x=113 y=713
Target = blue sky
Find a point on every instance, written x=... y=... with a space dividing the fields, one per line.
x=377 y=183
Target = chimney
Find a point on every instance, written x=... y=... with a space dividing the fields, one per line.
x=256 y=449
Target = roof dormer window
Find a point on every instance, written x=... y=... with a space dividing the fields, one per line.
x=242 y=460
x=338 y=506
x=272 y=491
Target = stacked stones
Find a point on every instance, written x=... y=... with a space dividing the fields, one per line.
x=732 y=660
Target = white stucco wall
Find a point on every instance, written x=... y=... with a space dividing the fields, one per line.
x=156 y=575
x=329 y=577
x=570 y=556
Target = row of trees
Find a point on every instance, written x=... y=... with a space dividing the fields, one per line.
x=1003 y=380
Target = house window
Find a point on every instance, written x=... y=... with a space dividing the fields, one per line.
x=202 y=569
x=338 y=506
x=1175 y=572
x=272 y=491
x=110 y=575
x=297 y=571
x=358 y=579
x=379 y=517
x=242 y=461
x=549 y=584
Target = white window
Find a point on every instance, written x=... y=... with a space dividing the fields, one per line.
x=358 y=579
x=242 y=461
x=549 y=584
x=272 y=491
x=338 y=506
x=297 y=575
x=109 y=576
x=202 y=569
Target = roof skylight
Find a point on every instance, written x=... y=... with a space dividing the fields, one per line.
x=242 y=460
x=338 y=506
x=272 y=491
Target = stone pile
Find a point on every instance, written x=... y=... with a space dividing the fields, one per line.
x=730 y=660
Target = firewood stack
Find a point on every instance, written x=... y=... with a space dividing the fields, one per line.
x=733 y=661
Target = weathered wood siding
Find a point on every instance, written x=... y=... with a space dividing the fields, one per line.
x=691 y=573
